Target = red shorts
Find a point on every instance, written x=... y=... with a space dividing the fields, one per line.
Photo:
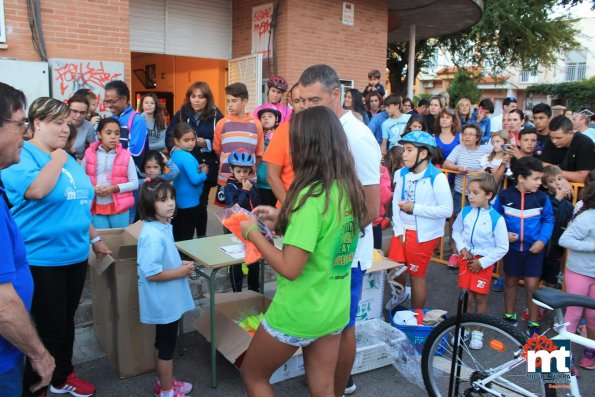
x=477 y=282
x=416 y=256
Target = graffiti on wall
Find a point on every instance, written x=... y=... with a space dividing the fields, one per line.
x=70 y=75
x=262 y=16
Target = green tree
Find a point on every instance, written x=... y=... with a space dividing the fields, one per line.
x=576 y=95
x=509 y=33
x=463 y=86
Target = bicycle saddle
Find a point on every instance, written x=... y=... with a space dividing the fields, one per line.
x=557 y=299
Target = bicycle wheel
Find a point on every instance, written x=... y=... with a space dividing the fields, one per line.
x=502 y=346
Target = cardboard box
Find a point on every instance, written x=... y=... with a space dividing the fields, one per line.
x=127 y=343
x=232 y=340
x=372 y=299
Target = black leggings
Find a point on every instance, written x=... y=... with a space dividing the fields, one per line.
x=166 y=336
x=201 y=225
x=185 y=223
x=56 y=297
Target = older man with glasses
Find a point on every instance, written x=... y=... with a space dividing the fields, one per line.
x=17 y=334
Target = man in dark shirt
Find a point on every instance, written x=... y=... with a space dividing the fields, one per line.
x=573 y=152
x=542 y=114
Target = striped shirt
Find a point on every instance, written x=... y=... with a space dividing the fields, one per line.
x=470 y=159
x=232 y=134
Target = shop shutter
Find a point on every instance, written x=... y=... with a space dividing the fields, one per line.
x=248 y=70
x=193 y=28
x=147 y=26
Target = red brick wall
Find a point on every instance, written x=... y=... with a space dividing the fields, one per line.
x=92 y=29
x=311 y=32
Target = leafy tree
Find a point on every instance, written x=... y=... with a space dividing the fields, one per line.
x=463 y=86
x=509 y=33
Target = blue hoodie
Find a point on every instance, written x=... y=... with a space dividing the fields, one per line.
x=530 y=215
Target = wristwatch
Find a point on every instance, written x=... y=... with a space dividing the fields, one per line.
x=96 y=239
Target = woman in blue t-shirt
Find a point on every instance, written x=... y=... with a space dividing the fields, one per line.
x=51 y=197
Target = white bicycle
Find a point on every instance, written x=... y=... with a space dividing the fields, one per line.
x=498 y=368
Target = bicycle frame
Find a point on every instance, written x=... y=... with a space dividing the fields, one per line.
x=562 y=333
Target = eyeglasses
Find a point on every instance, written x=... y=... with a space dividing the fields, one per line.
x=19 y=123
x=112 y=101
x=82 y=113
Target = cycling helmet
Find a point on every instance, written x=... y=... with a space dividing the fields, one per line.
x=241 y=158
x=277 y=82
x=421 y=139
x=270 y=109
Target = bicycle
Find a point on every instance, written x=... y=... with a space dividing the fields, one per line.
x=497 y=369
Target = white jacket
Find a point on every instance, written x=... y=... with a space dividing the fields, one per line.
x=432 y=206
x=483 y=232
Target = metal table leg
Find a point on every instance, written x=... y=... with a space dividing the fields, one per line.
x=212 y=289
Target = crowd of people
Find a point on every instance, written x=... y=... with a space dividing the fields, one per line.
x=328 y=171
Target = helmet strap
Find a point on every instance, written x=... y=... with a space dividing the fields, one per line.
x=418 y=162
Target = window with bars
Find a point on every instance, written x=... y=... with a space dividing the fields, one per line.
x=528 y=76
x=575 y=71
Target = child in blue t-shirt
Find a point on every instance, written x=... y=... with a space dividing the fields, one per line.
x=394 y=126
x=239 y=190
x=163 y=291
x=188 y=184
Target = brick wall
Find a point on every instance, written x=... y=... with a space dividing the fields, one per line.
x=92 y=29
x=313 y=33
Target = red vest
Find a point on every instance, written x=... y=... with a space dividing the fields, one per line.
x=122 y=201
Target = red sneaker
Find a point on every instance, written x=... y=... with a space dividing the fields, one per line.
x=541 y=313
x=74 y=386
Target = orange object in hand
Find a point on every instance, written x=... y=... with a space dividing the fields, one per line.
x=232 y=223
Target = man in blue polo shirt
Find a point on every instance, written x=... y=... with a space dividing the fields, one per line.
x=17 y=335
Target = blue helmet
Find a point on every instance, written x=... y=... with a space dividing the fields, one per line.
x=421 y=139
x=241 y=158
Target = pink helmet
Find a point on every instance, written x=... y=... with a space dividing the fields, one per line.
x=278 y=82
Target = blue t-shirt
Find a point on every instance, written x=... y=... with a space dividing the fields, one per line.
x=190 y=181
x=392 y=129
x=55 y=228
x=13 y=269
x=446 y=148
x=161 y=302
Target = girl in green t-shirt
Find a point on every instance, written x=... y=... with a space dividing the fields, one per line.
x=321 y=219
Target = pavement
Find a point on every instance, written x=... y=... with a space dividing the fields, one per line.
x=194 y=365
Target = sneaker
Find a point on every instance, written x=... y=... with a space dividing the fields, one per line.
x=466 y=337
x=179 y=387
x=453 y=261
x=350 y=389
x=74 y=386
x=588 y=360
x=541 y=315
x=172 y=393
x=398 y=299
x=533 y=328
x=498 y=285
x=476 y=340
x=510 y=319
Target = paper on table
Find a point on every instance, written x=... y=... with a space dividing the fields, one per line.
x=236 y=251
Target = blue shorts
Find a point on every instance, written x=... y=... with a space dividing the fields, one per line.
x=523 y=263
x=11 y=381
x=357 y=278
x=291 y=340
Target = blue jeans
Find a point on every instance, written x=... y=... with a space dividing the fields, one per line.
x=11 y=382
x=111 y=221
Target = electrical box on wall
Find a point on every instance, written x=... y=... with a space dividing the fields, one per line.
x=30 y=77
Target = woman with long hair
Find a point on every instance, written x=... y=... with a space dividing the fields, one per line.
x=375 y=103
x=355 y=102
x=321 y=218
x=516 y=122
x=152 y=110
x=437 y=103
x=200 y=112
x=447 y=130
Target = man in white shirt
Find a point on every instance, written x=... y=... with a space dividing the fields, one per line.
x=580 y=122
x=319 y=86
x=510 y=103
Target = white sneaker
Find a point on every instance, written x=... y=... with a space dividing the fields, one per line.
x=400 y=294
x=476 y=340
x=464 y=340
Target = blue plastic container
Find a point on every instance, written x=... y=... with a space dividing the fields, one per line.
x=417 y=334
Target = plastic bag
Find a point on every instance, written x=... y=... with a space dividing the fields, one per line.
x=403 y=354
x=231 y=218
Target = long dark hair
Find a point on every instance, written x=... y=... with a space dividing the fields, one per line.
x=357 y=101
x=159 y=114
x=209 y=111
x=321 y=157
x=456 y=122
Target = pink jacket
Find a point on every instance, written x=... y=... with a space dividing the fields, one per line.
x=386 y=194
x=122 y=201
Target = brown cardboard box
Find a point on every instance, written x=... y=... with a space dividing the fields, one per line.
x=127 y=343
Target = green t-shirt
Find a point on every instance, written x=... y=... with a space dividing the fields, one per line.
x=317 y=302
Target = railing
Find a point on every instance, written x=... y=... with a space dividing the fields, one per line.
x=440 y=258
